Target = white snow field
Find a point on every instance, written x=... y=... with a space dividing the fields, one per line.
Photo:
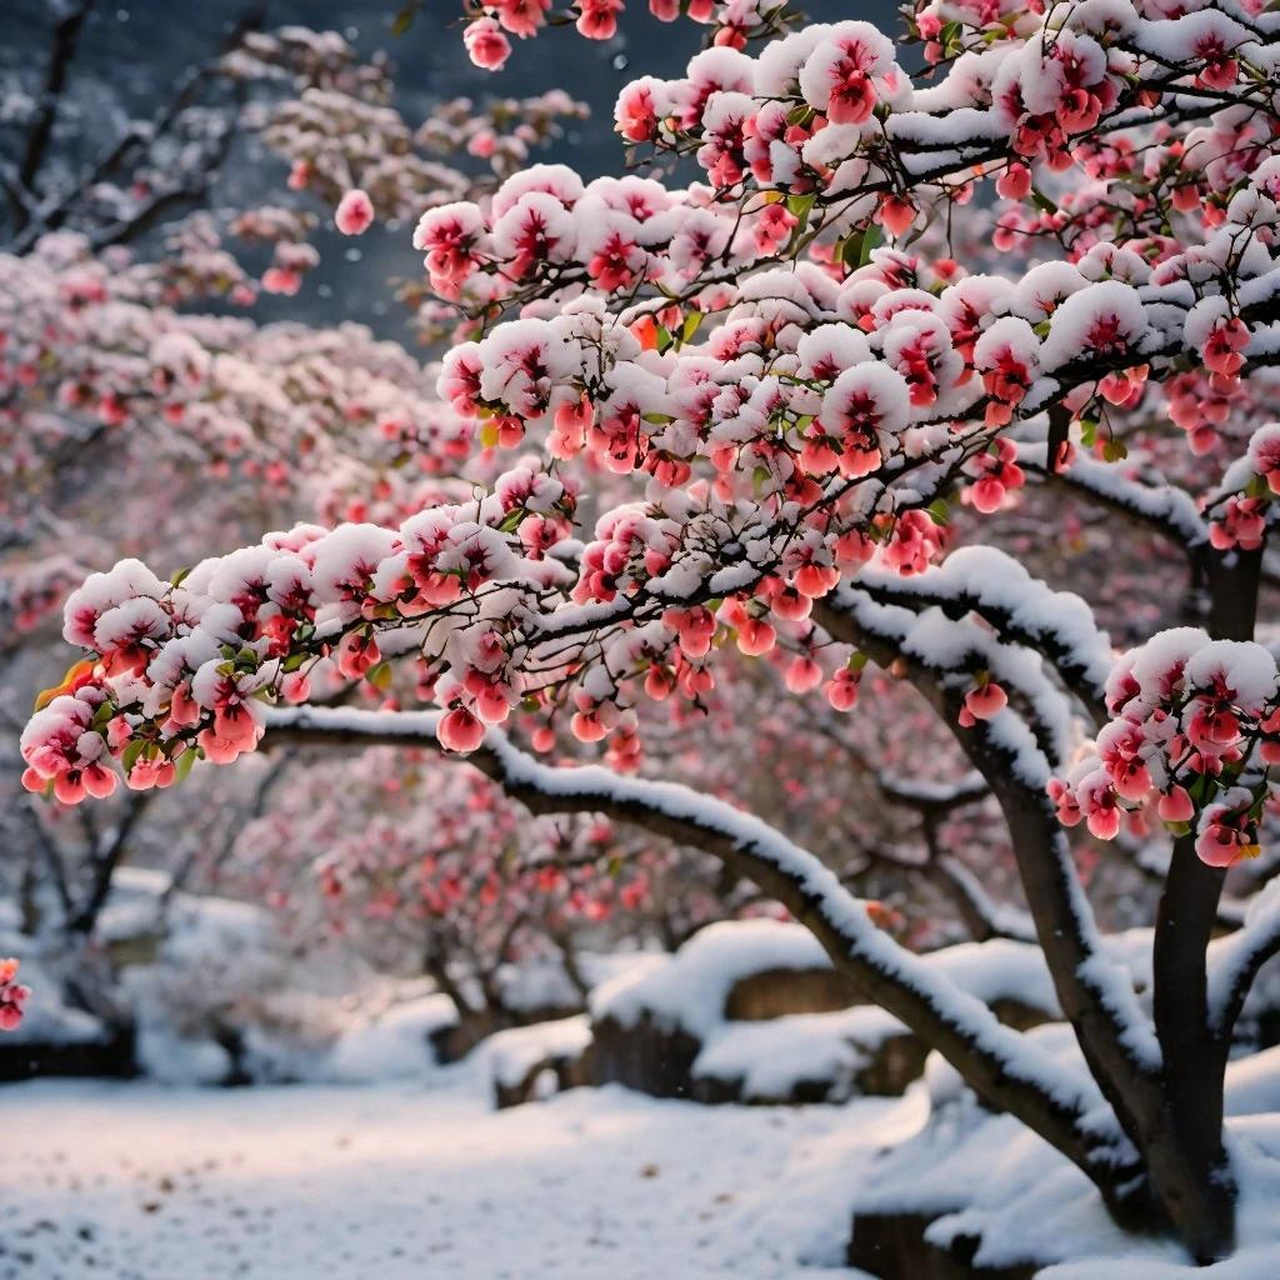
x=410 y=1182
x=413 y=1181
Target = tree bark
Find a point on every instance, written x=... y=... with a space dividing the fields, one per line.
x=1187 y=1153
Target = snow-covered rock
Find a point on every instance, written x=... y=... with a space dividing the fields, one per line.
x=398 y=1044
x=530 y=1063
x=753 y=1011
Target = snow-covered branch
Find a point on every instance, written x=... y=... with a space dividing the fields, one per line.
x=1234 y=961
x=996 y=1061
x=1167 y=509
x=1023 y=610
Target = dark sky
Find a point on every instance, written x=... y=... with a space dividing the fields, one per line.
x=133 y=50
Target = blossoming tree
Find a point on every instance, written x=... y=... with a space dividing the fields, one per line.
x=791 y=372
x=121 y=400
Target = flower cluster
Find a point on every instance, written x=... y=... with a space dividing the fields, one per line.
x=758 y=431
x=1196 y=727
x=733 y=22
x=13 y=995
x=340 y=140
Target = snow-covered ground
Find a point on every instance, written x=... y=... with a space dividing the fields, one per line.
x=415 y=1181
x=410 y=1181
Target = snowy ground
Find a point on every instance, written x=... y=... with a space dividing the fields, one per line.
x=112 y=1181
x=414 y=1181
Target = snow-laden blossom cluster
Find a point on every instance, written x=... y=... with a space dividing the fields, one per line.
x=828 y=125
x=217 y=411
x=788 y=424
x=1196 y=728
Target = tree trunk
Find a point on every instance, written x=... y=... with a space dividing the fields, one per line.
x=1187 y=1160
x=1189 y=1166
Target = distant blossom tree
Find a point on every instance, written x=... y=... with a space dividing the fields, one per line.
x=121 y=400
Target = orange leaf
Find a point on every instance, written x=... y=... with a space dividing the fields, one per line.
x=78 y=675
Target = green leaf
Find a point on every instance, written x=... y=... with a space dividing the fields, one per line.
x=131 y=753
x=872 y=238
x=380 y=676
x=939 y=512
x=691 y=324
x=1115 y=450
x=1043 y=202
x=856 y=248
x=184 y=764
x=179 y=578
x=657 y=419
x=1088 y=432
x=801 y=207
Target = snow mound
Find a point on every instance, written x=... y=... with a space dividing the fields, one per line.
x=783 y=1057
x=512 y=1054
x=1253 y=1085
x=770 y=1059
x=987 y=1177
x=688 y=990
x=393 y=1046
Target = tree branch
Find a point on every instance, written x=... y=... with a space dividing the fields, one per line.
x=66 y=38
x=1006 y=1070
x=1234 y=961
x=1096 y=996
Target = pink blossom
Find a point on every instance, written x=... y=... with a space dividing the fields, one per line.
x=486 y=45
x=354 y=215
x=13 y=995
x=985 y=700
x=460 y=731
